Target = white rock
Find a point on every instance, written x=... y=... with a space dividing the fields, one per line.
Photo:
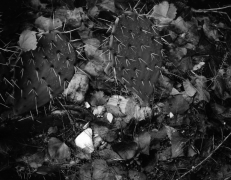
x=87 y=105
x=109 y=117
x=171 y=115
x=84 y=140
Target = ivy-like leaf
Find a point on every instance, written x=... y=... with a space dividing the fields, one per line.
x=164 y=12
x=27 y=40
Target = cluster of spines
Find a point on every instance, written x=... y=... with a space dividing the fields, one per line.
x=135 y=49
x=41 y=74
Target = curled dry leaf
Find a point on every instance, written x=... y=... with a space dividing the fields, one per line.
x=198 y=66
x=93 y=12
x=98 y=99
x=98 y=110
x=141 y=113
x=103 y=129
x=164 y=12
x=77 y=88
x=127 y=108
x=74 y=17
x=98 y=59
x=113 y=105
x=188 y=31
x=27 y=40
x=33 y=160
x=48 y=24
x=181 y=25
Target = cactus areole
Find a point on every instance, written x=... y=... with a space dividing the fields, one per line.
x=41 y=74
x=135 y=47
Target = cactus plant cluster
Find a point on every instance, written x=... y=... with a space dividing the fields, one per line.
x=135 y=47
x=41 y=74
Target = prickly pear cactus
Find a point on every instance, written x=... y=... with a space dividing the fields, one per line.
x=135 y=46
x=4 y=76
x=41 y=74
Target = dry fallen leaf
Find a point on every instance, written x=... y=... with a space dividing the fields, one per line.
x=77 y=88
x=33 y=160
x=188 y=31
x=85 y=172
x=198 y=66
x=93 y=12
x=177 y=142
x=38 y=4
x=202 y=93
x=109 y=155
x=164 y=12
x=98 y=98
x=74 y=18
x=27 y=40
x=126 y=150
x=98 y=110
x=100 y=169
x=98 y=59
x=136 y=175
x=108 y=5
x=176 y=105
x=113 y=105
x=209 y=30
x=103 y=129
x=189 y=88
x=58 y=150
x=143 y=140
x=48 y=24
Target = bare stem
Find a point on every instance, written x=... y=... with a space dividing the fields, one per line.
x=199 y=164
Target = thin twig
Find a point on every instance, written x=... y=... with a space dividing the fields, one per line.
x=199 y=164
x=212 y=9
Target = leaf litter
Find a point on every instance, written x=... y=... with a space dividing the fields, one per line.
x=180 y=136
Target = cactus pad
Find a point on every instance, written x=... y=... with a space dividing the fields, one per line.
x=41 y=74
x=135 y=46
x=4 y=75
